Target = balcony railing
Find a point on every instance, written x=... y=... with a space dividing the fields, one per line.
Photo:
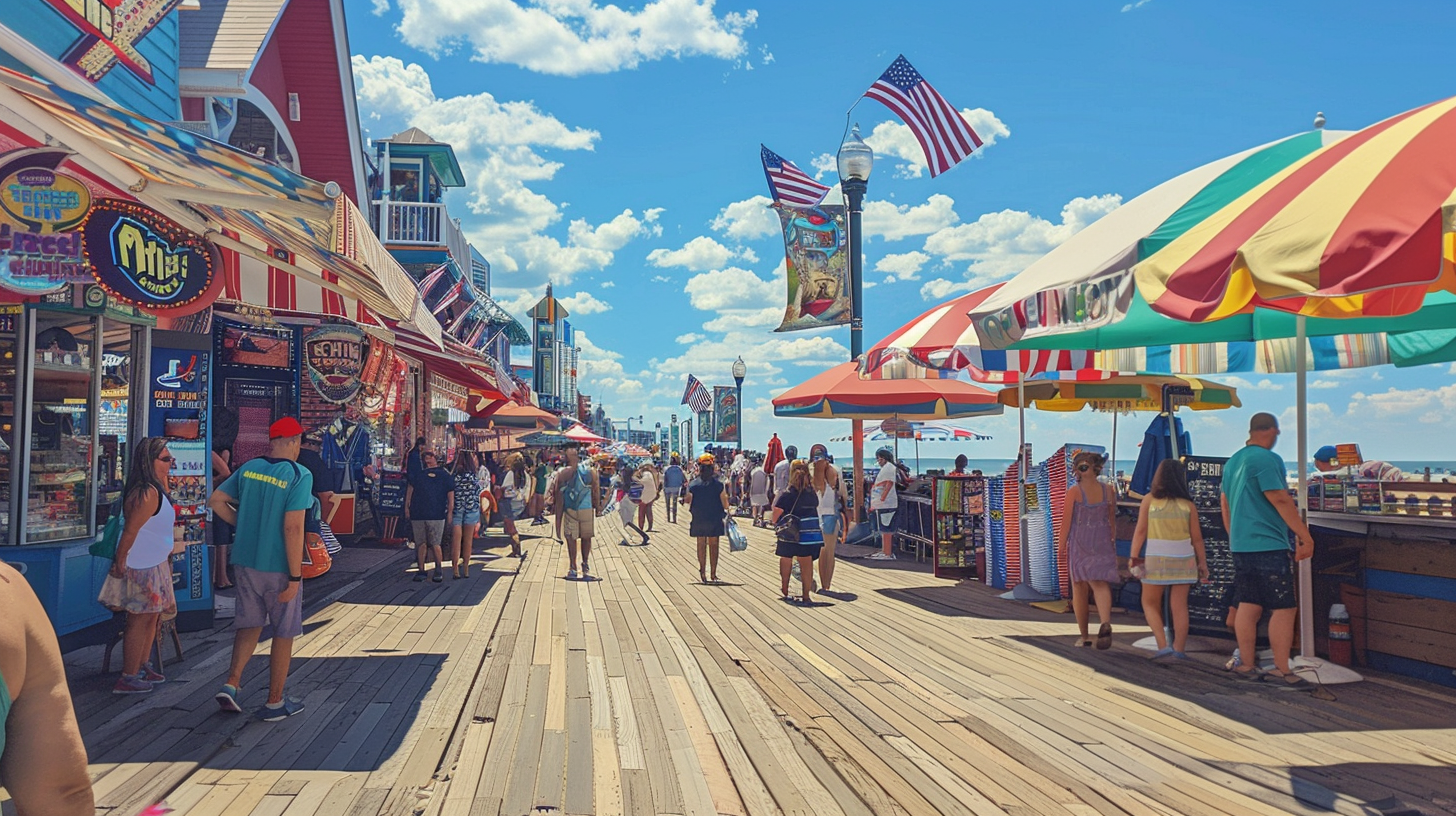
x=415 y=224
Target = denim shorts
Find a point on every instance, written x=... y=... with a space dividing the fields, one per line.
x=1265 y=579
x=830 y=526
x=460 y=517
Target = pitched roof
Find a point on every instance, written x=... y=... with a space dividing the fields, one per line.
x=226 y=34
x=412 y=136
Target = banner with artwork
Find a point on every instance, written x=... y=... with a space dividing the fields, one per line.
x=705 y=425
x=333 y=356
x=725 y=413
x=817 y=265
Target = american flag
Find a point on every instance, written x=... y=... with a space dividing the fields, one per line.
x=788 y=184
x=696 y=396
x=451 y=295
x=944 y=134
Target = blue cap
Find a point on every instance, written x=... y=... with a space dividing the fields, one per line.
x=1326 y=454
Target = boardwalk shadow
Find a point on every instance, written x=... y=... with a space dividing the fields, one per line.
x=1394 y=789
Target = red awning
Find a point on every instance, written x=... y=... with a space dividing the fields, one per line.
x=456 y=367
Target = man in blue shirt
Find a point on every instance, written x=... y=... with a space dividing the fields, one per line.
x=1258 y=513
x=673 y=479
x=266 y=500
x=577 y=498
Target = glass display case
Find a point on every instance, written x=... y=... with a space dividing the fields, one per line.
x=10 y=321
x=60 y=489
x=1413 y=497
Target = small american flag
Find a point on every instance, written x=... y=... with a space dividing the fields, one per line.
x=696 y=396
x=788 y=184
x=944 y=134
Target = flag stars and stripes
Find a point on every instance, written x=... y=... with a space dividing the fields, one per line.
x=696 y=395
x=788 y=184
x=944 y=134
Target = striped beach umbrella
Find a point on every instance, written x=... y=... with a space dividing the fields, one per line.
x=840 y=393
x=1362 y=227
x=922 y=431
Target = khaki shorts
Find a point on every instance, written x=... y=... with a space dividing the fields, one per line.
x=578 y=524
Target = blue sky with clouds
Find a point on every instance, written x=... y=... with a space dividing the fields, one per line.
x=613 y=149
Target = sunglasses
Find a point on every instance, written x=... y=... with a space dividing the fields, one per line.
x=168 y=459
x=1083 y=468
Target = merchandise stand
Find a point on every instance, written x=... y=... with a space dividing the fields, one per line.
x=996 y=533
x=958 y=524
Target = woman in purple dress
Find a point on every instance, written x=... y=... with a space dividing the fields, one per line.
x=1086 y=537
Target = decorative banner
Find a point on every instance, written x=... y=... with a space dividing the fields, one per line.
x=40 y=210
x=725 y=413
x=110 y=32
x=705 y=425
x=673 y=438
x=141 y=257
x=1073 y=307
x=815 y=247
x=334 y=358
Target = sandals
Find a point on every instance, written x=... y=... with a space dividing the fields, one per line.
x=1288 y=682
x=1085 y=643
x=1252 y=675
x=1104 y=636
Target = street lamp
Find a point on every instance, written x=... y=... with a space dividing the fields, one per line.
x=856 y=160
x=739 y=372
x=629 y=427
x=658 y=436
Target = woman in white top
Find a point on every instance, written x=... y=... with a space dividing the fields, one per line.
x=647 y=474
x=516 y=487
x=140 y=580
x=830 y=490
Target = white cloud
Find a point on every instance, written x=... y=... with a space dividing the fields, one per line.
x=608 y=284
x=730 y=288
x=699 y=254
x=690 y=337
x=747 y=220
x=1000 y=244
x=585 y=303
x=1326 y=384
x=1396 y=404
x=1242 y=384
x=904 y=266
x=661 y=279
x=380 y=7
x=497 y=144
x=893 y=223
x=574 y=37
x=897 y=141
x=1137 y=5
x=824 y=163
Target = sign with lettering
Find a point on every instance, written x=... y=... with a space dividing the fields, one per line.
x=1077 y=306
x=110 y=31
x=138 y=256
x=40 y=209
x=334 y=358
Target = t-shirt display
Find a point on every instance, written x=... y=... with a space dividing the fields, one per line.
x=265 y=490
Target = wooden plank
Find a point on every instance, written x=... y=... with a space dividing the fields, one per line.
x=1436 y=558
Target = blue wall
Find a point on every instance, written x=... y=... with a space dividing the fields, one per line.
x=45 y=27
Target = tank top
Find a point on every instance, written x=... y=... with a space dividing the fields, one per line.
x=828 y=498
x=4 y=711
x=154 y=540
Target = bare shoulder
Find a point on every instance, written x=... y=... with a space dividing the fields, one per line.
x=16 y=597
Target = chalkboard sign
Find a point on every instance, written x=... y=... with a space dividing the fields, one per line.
x=1208 y=603
x=392 y=485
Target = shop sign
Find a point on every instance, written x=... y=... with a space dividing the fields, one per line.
x=1076 y=306
x=138 y=256
x=109 y=33
x=40 y=209
x=334 y=357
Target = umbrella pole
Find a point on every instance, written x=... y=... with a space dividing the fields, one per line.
x=1306 y=570
x=1112 y=454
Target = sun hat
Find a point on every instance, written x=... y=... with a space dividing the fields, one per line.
x=285 y=428
x=706 y=459
x=817 y=452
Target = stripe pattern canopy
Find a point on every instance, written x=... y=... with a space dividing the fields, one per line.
x=840 y=393
x=1363 y=227
x=1135 y=392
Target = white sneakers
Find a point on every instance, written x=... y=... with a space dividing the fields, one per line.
x=882 y=556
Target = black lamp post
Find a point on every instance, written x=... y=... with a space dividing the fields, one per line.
x=856 y=160
x=739 y=372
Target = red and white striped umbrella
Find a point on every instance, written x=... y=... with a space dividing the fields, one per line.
x=943 y=339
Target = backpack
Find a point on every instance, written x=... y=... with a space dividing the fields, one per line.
x=316 y=558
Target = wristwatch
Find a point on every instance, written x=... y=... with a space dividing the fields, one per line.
x=293 y=579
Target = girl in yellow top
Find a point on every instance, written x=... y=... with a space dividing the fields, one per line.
x=1168 y=527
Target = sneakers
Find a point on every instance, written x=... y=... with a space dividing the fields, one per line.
x=1163 y=653
x=882 y=556
x=152 y=676
x=288 y=708
x=571 y=575
x=132 y=684
x=227 y=700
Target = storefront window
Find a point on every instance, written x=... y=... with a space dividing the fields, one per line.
x=61 y=428
x=10 y=320
x=113 y=415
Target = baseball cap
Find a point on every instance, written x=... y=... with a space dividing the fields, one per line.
x=706 y=459
x=817 y=452
x=1326 y=454
x=285 y=428
x=1262 y=422
x=885 y=453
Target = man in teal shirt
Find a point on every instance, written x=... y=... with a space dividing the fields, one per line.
x=1258 y=513
x=266 y=500
x=576 y=499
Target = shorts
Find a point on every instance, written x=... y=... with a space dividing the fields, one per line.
x=258 y=604
x=758 y=500
x=830 y=526
x=1265 y=579
x=578 y=524
x=514 y=508
x=461 y=517
x=429 y=532
x=140 y=591
x=886 y=517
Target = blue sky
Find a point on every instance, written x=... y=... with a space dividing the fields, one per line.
x=614 y=150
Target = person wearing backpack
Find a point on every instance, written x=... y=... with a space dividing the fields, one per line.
x=576 y=499
x=140 y=580
x=266 y=500
x=796 y=522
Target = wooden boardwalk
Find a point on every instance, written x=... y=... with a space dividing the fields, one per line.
x=643 y=692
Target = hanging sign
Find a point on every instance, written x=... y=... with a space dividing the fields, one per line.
x=141 y=257
x=817 y=267
x=40 y=210
x=334 y=358
x=725 y=413
x=1072 y=307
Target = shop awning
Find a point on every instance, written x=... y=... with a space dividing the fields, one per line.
x=524 y=416
x=457 y=365
x=233 y=199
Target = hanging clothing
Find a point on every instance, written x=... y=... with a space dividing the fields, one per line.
x=345 y=451
x=1157 y=446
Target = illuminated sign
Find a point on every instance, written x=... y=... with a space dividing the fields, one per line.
x=40 y=209
x=110 y=31
x=140 y=257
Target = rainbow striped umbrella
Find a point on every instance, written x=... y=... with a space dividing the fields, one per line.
x=1360 y=228
x=922 y=431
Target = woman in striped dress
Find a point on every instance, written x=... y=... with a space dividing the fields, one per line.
x=1168 y=527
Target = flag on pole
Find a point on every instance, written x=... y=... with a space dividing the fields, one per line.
x=788 y=184
x=696 y=396
x=944 y=135
x=451 y=295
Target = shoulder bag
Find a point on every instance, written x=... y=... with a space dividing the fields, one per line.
x=786 y=531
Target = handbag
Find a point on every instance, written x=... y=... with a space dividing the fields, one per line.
x=737 y=541
x=786 y=531
x=105 y=544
